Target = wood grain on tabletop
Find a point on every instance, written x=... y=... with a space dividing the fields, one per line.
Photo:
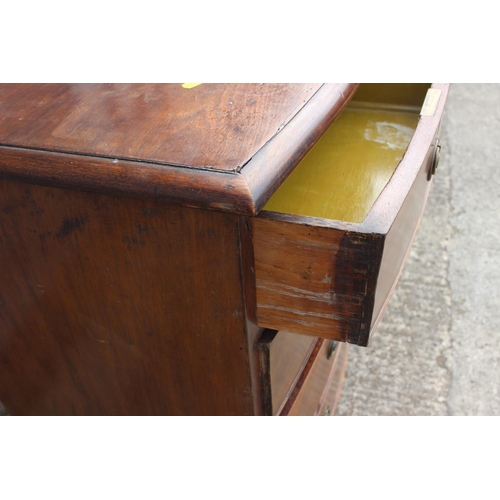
x=164 y=142
x=210 y=126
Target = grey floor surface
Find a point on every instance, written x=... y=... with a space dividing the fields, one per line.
x=437 y=349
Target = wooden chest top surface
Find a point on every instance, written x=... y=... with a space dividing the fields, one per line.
x=164 y=141
x=209 y=126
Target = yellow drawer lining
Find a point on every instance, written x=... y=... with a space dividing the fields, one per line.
x=345 y=172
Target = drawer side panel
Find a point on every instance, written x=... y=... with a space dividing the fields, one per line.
x=315 y=280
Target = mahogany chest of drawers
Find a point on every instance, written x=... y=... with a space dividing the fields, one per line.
x=202 y=249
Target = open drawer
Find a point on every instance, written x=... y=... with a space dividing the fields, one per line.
x=331 y=242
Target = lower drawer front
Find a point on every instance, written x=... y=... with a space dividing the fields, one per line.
x=282 y=357
x=320 y=384
x=334 y=386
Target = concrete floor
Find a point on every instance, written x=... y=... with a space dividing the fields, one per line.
x=437 y=350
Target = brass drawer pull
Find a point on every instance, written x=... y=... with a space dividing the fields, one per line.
x=331 y=348
x=435 y=162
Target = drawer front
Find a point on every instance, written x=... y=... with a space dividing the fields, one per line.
x=333 y=278
x=333 y=390
x=399 y=239
x=282 y=357
x=320 y=383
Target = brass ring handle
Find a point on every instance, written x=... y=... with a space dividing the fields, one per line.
x=331 y=348
x=435 y=161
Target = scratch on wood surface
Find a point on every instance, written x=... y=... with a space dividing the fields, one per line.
x=316 y=297
x=300 y=312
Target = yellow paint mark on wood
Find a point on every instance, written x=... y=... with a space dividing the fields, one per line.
x=190 y=85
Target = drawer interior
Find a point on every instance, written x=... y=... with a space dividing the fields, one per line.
x=347 y=169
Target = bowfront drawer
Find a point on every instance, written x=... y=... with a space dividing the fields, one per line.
x=300 y=375
x=282 y=358
x=320 y=383
x=331 y=396
x=331 y=243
